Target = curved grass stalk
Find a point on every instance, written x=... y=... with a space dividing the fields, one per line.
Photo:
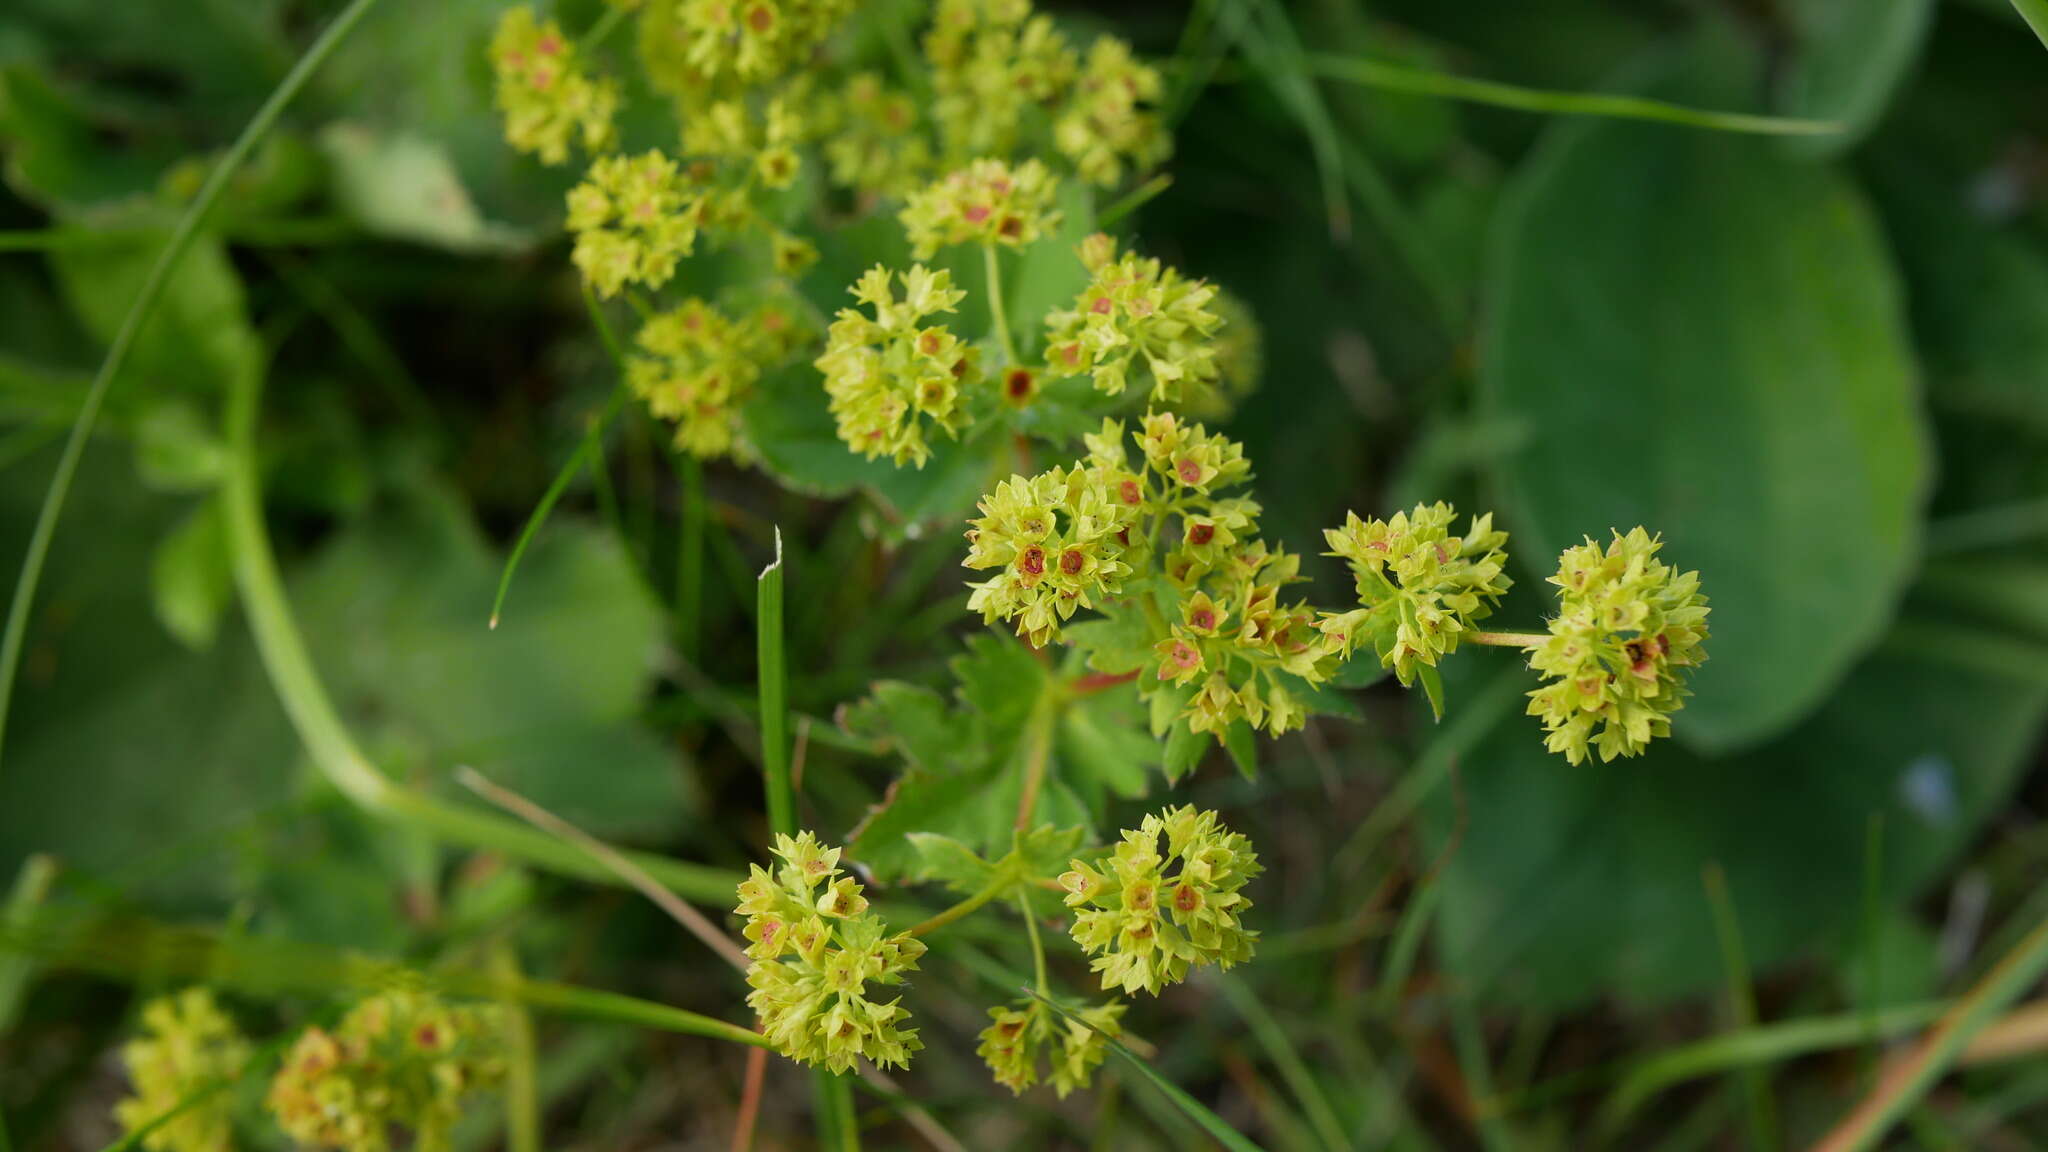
x=1422 y=82
x=326 y=737
x=131 y=325
x=1904 y=1084
x=591 y=449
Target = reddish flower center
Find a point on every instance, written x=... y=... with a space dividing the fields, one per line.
x=1201 y=533
x=1071 y=561
x=1204 y=619
x=1189 y=472
x=1032 y=561
x=1017 y=383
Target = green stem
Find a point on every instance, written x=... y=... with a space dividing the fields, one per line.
x=522 y=1090
x=1037 y=753
x=251 y=234
x=1037 y=947
x=1903 y=1087
x=1005 y=877
x=124 y=339
x=1507 y=639
x=615 y=15
x=1755 y=1086
x=998 y=310
x=298 y=686
x=1419 y=82
x=774 y=696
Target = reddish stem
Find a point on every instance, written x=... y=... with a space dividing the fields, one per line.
x=1098 y=681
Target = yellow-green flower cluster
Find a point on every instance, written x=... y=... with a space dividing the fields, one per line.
x=1136 y=313
x=1056 y=541
x=993 y=63
x=187 y=1049
x=1147 y=916
x=1108 y=121
x=870 y=137
x=814 y=1005
x=699 y=365
x=1229 y=634
x=729 y=129
x=400 y=1059
x=750 y=41
x=1420 y=589
x=890 y=376
x=634 y=217
x=1012 y=1044
x=987 y=202
x=999 y=71
x=1627 y=623
x=546 y=94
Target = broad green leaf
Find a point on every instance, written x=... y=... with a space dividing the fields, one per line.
x=192 y=578
x=948 y=861
x=52 y=156
x=198 y=338
x=1850 y=57
x=1577 y=882
x=966 y=762
x=176 y=450
x=405 y=187
x=545 y=704
x=1704 y=337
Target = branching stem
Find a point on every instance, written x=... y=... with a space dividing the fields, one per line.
x=1508 y=639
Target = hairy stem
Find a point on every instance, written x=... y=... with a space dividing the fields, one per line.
x=131 y=325
x=1507 y=639
x=997 y=309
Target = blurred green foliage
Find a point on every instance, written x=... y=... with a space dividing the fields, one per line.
x=1819 y=366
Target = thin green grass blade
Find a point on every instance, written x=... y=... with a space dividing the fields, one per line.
x=1274 y=50
x=1208 y=1121
x=591 y=445
x=774 y=695
x=1742 y=1006
x=1905 y=1086
x=124 y=339
x=2035 y=13
x=1422 y=82
x=1288 y=1062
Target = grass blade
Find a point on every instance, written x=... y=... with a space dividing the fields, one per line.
x=1208 y=1121
x=1903 y=1085
x=124 y=339
x=31 y=888
x=1742 y=1006
x=591 y=446
x=1423 y=82
x=1288 y=1062
x=774 y=695
x=2035 y=13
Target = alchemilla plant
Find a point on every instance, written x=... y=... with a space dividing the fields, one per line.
x=921 y=258
x=1133 y=543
